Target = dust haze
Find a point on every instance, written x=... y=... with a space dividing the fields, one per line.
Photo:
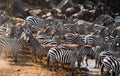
x=3 y=63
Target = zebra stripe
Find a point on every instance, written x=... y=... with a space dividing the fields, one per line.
x=86 y=51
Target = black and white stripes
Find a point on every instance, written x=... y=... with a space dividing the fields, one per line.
x=57 y=54
x=38 y=22
x=94 y=40
x=110 y=63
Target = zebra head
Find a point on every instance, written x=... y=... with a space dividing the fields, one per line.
x=28 y=36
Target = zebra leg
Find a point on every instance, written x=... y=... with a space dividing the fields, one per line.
x=56 y=66
x=72 y=69
x=104 y=73
x=62 y=64
x=86 y=61
x=99 y=62
x=15 y=57
x=48 y=61
x=79 y=59
x=35 y=58
x=33 y=53
x=101 y=69
x=52 y=62
x=40 y=58
x=96 y=63
x=32 y=56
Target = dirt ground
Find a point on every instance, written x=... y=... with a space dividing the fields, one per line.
x=25 y=67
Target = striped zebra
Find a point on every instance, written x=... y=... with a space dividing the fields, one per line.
x=110 y=63
x=105 y=32
x=89 y=52
x=116 y=34
x=38 y=49
x=112 y=40
x=86 y=51
x=105 y=47
x=12 y=46
x=94 y=40
x=56 y=55
x=104 y=54
x=74 y=38
x=38 y=22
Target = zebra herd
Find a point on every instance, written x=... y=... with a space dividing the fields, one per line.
x=98 y=39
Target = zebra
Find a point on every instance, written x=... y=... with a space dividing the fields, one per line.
x=56 y=54
x=74 y=38
x=116 y=35
x=105 y=47
x=112 y=40
x=94 y=40
x=83 y=27
x=110 y=63
x=86 y=51
x=37 y=48
x=12 y=46
x=38 y=22
x=104 y=54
